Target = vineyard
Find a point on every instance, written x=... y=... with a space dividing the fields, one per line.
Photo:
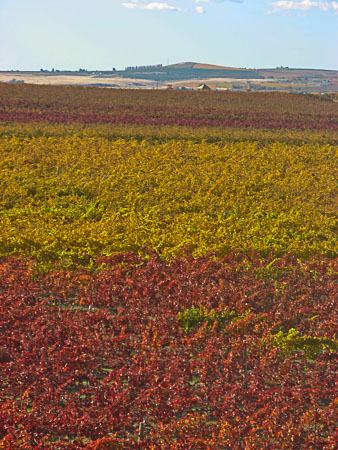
x=167 y=269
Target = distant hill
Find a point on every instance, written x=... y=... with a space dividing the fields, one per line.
x=193 y=65
x=188 y=75
x=186 y=71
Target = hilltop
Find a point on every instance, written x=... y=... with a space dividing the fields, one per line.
x=194 y=65
x=186 y=71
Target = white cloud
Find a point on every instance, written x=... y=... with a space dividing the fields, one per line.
x=278 y=6
x=335 y=7
x=171 y=5
x=218 y=1
x=303 y=5
x=199 y=9
x=151 y=6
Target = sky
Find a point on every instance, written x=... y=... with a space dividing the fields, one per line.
x=102 y=34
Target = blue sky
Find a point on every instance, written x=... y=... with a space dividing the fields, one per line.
x=101 y=34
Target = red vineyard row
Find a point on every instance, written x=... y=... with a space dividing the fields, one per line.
x=101 y=359
x=231 y=121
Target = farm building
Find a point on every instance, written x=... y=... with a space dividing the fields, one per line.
x=204 y=87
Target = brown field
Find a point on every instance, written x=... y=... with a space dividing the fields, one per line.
x=80 y=80
x=297 y=73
